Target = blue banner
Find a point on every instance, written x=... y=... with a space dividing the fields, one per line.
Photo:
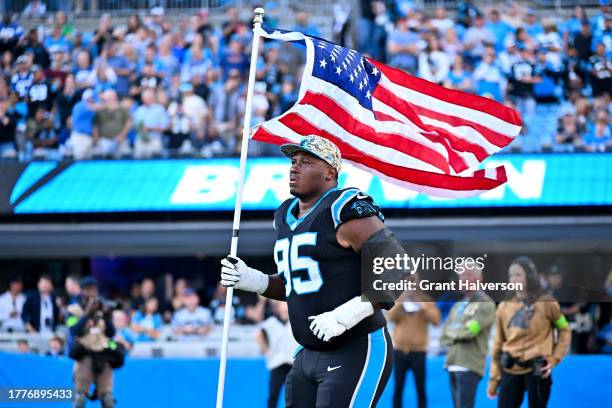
x=210 y=185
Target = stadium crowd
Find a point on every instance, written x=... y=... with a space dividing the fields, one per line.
x=144 y=315
x=172 y=310
x=161 y=85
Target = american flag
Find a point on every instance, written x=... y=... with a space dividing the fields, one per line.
x=404 y=129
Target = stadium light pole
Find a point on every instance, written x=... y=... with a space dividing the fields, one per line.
x=257 y=21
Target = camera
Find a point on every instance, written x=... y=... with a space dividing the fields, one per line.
x=506 y=360
x=538 y=364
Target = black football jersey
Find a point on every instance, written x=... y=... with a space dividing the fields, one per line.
x=319 y=274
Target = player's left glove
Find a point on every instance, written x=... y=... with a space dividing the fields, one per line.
x=331 y=324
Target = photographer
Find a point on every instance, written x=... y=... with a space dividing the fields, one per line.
x=525 y=351
x=95 y=353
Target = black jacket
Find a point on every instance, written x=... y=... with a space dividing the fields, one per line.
x=31 y=312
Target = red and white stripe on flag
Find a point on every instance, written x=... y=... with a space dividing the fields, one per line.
x=408 y=131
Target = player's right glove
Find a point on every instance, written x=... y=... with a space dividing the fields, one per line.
x=235 y=273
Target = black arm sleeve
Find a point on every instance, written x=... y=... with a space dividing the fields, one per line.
x=382 y=244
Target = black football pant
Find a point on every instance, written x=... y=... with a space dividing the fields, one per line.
x=353 y=375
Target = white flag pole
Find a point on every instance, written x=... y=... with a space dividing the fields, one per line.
x=257 y=21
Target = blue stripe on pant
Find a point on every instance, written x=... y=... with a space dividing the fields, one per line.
x=373 y=376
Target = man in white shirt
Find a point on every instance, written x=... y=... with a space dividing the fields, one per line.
x=11 y=306
x=192 y=321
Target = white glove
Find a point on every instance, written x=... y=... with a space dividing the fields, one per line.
x=235 y=273
x=331 y=324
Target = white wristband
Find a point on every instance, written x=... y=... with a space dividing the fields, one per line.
x=260 y=281
x=353 y=311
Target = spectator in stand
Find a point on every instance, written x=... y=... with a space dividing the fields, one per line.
x=151 y=121
x=8 y=124
x=84 y=74
x=103 y=34
x=146 y=290
x=147 y=79
x=35 y=9
x=573 y=25
x=303 y=24
x=23 y=346
x=178 y=300
x=121 y=66
x=441 y=21
x=522 y=79
x=217 y=306
x=147 y=325
x=532 y=25
x=165 y=63
x=568 y=131
x=605 y=36
x=434 y=64
x=42 y=135
x=56 y=42
x=31 y=44
x=598 y=137
x=10 y=33
x=193 y=320
x=73 y=290
x=452 y=45
x=40 y=312
x=509 y=56
x=111 y=124
x=22 y=78
x=123 y=333
x=548 y=89
x=288 y=95
x=81 y=138
x=234 y=58
x=500 y=29
x=598 y=22
x=467 y=12
x=180 y=130
x=194 y=107
x=66 y=99
x=6 y=64
x=403 y=46
x=488 y=77
x=40 y=93
x=224 y=100
x=601 y=71
x=582 y=41
x=476 y=38
x=11 y=307
x=56 y=347
x=459 y=77
x=105 y=78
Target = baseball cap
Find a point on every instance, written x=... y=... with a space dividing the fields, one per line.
x=22 y=59
x=89 y=281
x=189 y=292
x=317 y=146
